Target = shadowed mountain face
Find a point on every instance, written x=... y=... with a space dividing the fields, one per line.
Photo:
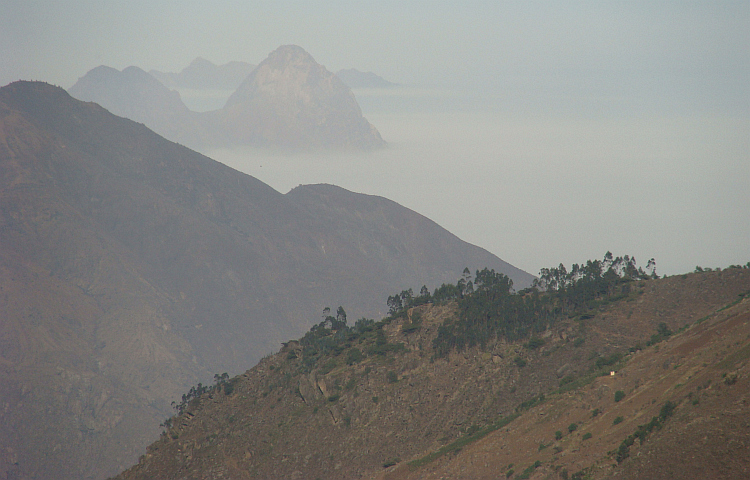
x=133 y=267
x=202 y=74
x=288 y=101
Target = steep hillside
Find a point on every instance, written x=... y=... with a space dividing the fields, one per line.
x=384 y=405
x=132 y=268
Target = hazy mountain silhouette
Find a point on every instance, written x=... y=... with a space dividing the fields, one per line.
x=203 y=74
x=132 y=93
x=133 y=267
x=291 y=100
x=353 y=78
x=287 y=101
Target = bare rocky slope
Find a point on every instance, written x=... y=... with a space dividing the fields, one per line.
x=131 y=268
x=288 y=101
x=675 y=406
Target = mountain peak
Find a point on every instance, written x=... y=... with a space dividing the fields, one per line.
x=290 y=89
x=287 y=71
x=200 y=62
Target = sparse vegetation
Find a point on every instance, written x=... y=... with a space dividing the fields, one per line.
x=503 y=357
x=221 y=381
x=643 y=431
x=461 y=442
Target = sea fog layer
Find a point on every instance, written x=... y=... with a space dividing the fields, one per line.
x=537 y=186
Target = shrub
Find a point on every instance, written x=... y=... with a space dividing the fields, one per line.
x=587 y=435
x=619 y=395
x=520 y=362
x=354 y=356
x=558 y=435
x=608 y=360
x=667 y=410
x=618 y=420
x=579 y=342
x=567 y=379
x=334 y=398
x=534 y=343
x=595 y=412
x=327 y=367
x=391 y=377
x=572 y=427
x=391 y=462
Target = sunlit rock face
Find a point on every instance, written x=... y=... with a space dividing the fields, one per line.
x=291 y=100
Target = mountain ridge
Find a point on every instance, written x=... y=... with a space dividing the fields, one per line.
x=134 y=267
x=204 y=74
x=395 y=413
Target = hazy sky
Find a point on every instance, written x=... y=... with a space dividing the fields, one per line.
x=545 y=132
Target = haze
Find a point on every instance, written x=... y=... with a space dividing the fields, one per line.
x=543 y=132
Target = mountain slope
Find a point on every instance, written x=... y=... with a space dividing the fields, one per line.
x=396 y=412
x=134 y=268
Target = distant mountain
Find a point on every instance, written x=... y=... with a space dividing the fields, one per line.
x=132 y=93
x=355 y=79
x=288 y=101
x=131 y=268
x=650 y=383
x=202 y=74
x=291 y=100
